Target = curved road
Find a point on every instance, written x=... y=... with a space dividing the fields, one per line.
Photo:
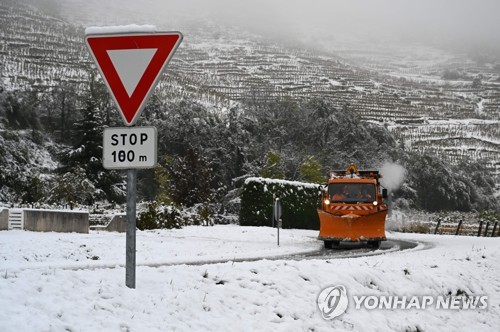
x=345 y=250
x=355 y=249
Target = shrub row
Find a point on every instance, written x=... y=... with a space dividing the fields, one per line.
x=298 y=202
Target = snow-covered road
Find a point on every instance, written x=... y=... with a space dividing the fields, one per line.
x=260 y=295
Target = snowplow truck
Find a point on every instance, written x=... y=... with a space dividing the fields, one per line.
x=353 y=208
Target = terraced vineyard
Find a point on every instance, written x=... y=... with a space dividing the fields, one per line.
x=38 y=51
x=457 y=119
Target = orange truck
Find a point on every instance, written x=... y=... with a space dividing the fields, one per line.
x=353 y=208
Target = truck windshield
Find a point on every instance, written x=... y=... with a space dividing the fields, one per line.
x=352 y=192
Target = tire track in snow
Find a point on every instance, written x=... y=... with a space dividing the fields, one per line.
x=348 y=250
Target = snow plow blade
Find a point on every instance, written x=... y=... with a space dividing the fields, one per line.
x=352 y=227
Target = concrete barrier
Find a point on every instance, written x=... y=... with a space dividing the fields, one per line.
x=4 y=219
x=117 y=224
x=56 y=221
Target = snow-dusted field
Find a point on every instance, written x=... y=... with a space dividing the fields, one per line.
x=39 y=293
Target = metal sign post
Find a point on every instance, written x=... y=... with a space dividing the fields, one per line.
x=130 y=237
x=130 y=148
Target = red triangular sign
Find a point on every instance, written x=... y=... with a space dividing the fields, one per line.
x=131 y=64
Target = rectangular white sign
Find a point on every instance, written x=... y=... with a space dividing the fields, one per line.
x=130 y=147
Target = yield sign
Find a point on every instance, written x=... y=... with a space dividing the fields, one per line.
x=131 y=64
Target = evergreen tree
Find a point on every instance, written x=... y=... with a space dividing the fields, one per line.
x=190 y=179
x=61 y=111
x=19 y=110
x=310 y=171
x=74 y=187
x=162 y=178
x=273 y=166
x=86 y=154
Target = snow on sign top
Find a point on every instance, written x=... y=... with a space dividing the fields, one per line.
x=131 y=60
x=132 y=28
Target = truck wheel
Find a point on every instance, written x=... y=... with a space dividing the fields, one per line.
x=330 y=244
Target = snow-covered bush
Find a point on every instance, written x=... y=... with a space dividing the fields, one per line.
x=200 y=214
x=160 y=216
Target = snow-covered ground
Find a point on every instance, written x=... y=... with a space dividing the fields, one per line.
x=21 y=250
x=37 y=292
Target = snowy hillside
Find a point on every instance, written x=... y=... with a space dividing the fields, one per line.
x=38 y=50
x=434 y=102
x=31 y=161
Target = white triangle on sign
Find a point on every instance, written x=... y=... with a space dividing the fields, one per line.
x=130 y=65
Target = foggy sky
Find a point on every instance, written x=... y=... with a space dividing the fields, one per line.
x=470 y=21
x=458 y=22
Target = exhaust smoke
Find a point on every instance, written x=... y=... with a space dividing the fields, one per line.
x=393 y=176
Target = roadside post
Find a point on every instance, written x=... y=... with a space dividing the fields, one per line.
x=272 y=217
x=458 y=227
x=437 y=226
x=131 y=60
x=277 y=216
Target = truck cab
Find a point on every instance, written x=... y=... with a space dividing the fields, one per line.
x=353 y=208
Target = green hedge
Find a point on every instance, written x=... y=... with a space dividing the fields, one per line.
x=298 y=203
